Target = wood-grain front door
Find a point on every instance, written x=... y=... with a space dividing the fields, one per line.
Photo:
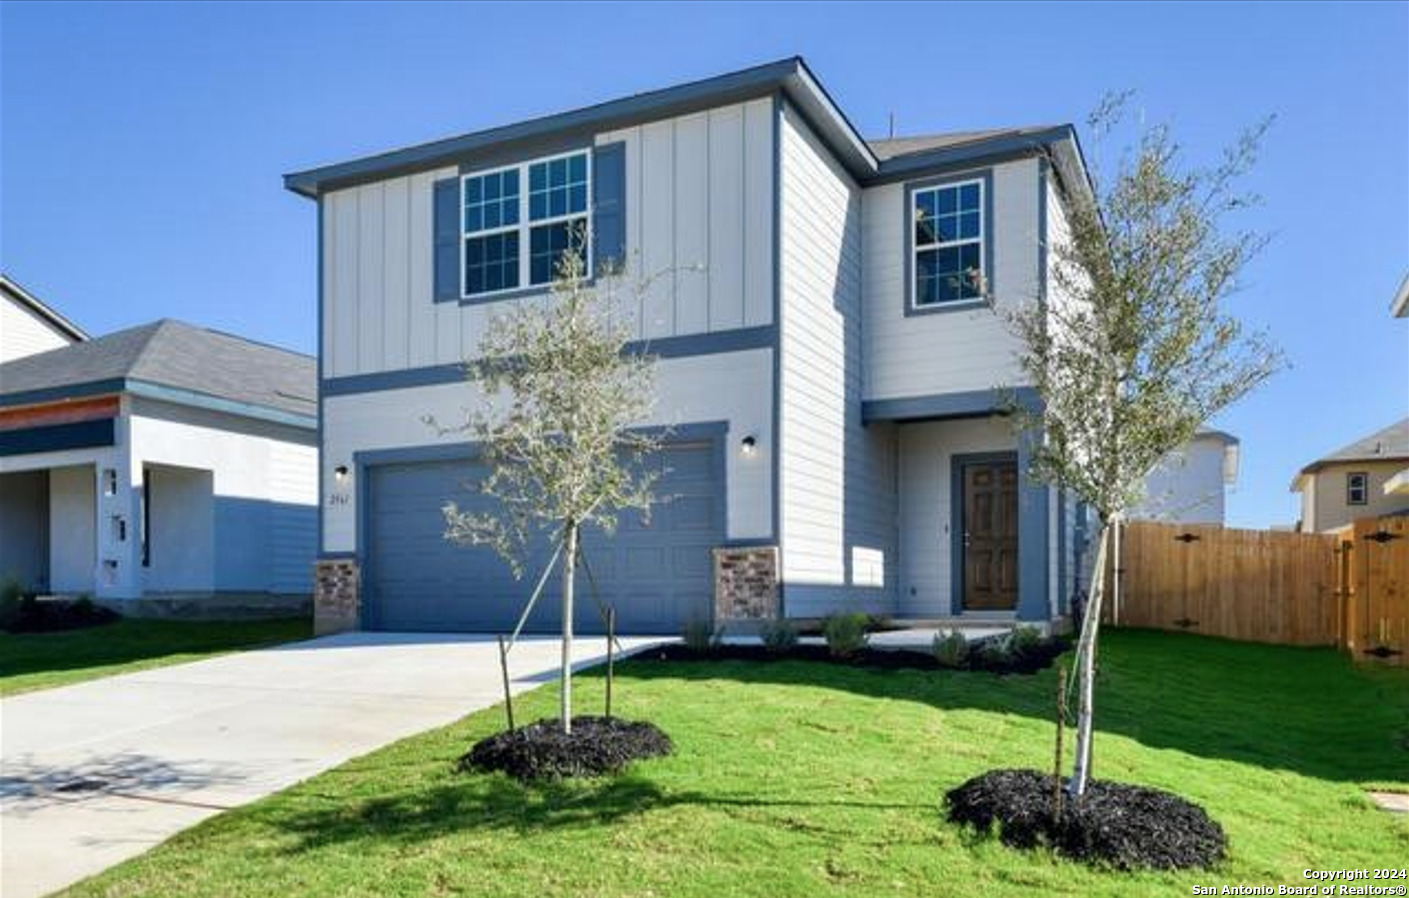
x=990 y=536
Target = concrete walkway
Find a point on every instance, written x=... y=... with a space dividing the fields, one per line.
x=98 y=772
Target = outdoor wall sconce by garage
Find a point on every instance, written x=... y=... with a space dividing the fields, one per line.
x=749 y=444
x=340 y=472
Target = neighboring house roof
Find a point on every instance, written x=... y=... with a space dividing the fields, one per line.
x=1400 y=306
x=789 y=77
x=171 y=360
x=22 y=296
x=1389 y=444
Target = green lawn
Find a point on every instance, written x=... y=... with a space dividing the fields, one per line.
x=797 y=779
x=31 y=661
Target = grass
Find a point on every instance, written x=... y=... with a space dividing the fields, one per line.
x=802 y=779
x=30 y=661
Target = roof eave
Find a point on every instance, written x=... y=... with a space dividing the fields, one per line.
x=790 y=75
x=44 y=310
x=1400 y=306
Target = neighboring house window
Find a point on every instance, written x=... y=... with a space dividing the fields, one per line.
x=502 y=220
x=948 y=243
x=1357 y=488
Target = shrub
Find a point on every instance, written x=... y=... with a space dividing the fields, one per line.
x=951 y=649
x=845 y=633
x=699 y=635
x=11 y=601
x=995 y=652
x=1025 y=640
x=779 y=636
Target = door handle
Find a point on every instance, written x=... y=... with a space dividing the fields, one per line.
x=966 y=539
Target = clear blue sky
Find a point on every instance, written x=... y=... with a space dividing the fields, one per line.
x=141 y=145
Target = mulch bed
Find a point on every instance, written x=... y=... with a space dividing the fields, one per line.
x=597 y=746
x=1116 y=824
x=52 y=615
x=1039 y=657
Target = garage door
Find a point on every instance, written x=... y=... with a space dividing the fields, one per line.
x=656 y=573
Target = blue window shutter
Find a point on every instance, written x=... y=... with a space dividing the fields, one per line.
x=446 y=235
x=609 y=204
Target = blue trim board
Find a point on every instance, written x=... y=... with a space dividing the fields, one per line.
x=64 y=391
x=777 y=345
x=160 y=392
x=942 y=406
x=763 y=337
x=318 y=387
x=1042 y=236
x=984 y=175
x=1033 y=547
x=58 y=437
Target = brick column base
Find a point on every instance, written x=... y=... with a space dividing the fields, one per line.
x=337 y=595
x=745 y=583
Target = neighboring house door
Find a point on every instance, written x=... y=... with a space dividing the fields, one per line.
x=657 y=573
x=990 y=541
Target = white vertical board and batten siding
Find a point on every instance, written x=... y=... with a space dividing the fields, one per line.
x=837 y=477
x=956 y=351
x=24 y=332
x=699 y=195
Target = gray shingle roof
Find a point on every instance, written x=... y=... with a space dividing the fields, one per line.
x=1390 y=443
x=891 y=148
x=182 y=356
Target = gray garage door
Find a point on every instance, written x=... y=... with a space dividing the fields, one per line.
x=656 y=574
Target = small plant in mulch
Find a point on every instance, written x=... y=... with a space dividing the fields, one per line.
x=779 y=636
x=1114 y=824
x=597 y=746
x=846 y=634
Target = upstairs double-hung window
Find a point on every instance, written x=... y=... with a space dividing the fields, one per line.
x=948 y=243
x=519 y=221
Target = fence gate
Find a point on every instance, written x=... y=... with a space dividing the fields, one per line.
x=1374 y=567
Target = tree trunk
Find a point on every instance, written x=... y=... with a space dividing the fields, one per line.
x=1086 y=667
x=569 y=568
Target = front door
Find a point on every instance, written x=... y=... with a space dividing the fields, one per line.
x=990 y=536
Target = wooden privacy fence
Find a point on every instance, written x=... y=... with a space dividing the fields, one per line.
x=1348 y=590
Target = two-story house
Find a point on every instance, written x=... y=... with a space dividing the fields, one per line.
x=831 y=341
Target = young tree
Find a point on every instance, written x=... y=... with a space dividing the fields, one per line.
x=1134 y=351
x=559 y=397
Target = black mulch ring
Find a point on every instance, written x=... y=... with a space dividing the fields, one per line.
x=51 y=615
x=542 y=751
x=1029 y=661
x=1116 y=824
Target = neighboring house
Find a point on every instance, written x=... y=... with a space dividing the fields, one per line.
x=1398 y=485
x=162 y=462
x=828 y=377
x=1190 y=486
x=1354 y=482
x=28 y=326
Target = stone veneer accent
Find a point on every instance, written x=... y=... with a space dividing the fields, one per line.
x=746 y=583
x=337 y=595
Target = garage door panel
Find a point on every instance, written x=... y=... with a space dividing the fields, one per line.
x=657 y=575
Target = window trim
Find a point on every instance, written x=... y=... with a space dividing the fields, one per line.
x=146 y=520
x=984 y=178
x=524 y=227
x=1364 y=487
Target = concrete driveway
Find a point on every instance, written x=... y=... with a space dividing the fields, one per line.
x=98 y=772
